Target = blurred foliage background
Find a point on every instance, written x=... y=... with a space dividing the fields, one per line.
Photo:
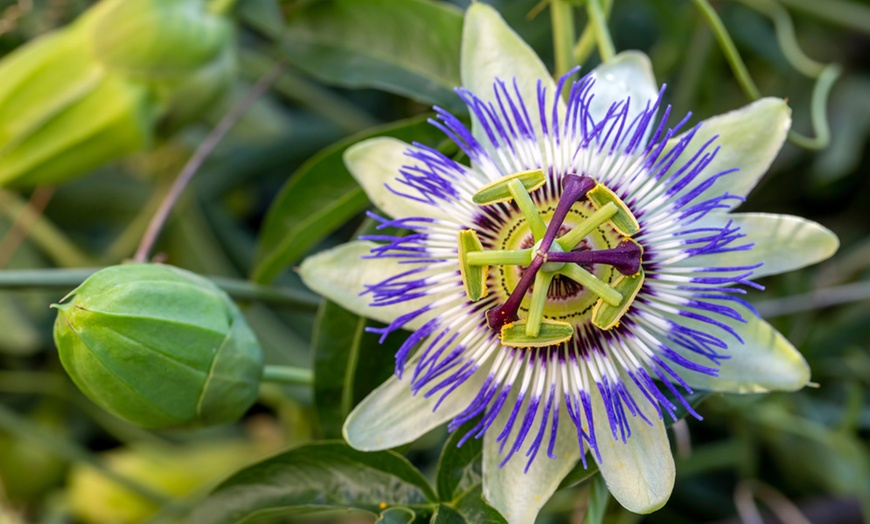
x=356 y=68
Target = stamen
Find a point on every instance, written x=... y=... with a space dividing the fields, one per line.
x=607 y=316
x=524 y=202
x=507 y=257
x=626 y=257
x=624 y=221
x=570 y=239
x=592 y=283
x=539 y=300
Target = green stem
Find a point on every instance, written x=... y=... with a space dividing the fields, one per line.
x=818 y=115
x=65 y=279
x=288 y=375
x=562 y=20
x=586 y=43
x=730 y=50
x=602 y=33
x=23 y=428
x=848 y=14
x=44 y=234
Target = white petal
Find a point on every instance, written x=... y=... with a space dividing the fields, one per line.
x=490 y=50
x=782 y=242
x=639 y=473
x=750 y=138
x=392 y=415
x=518 y=495
x=340 y=274
x=766 y=361
x=628 y=74
x=376 y=162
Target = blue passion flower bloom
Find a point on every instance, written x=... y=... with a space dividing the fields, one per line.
x=583 y=265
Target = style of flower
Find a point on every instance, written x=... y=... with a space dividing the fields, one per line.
x=576 y=281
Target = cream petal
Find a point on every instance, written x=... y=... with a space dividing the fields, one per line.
x=490 y=50
x=340 y=274
x=640 y=472
x=750 y=138
x=376 y=162
x=519 y=495
x=392 y=415
x=628 y=74
x=765 y=361
x=782 y=242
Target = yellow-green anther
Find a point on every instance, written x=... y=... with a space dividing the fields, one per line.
x=593 y=284
x=551 y=332
x=528 y=208
x=509 y=257
x=473 y=276
x=498 y=191
x=623 y=220
x=570 y=240
x=607 y=316
x=539 y=300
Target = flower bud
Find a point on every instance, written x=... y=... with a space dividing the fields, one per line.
x=158 y=346
x=98 y=90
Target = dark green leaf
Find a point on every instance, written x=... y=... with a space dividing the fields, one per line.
x=447 y=515
x=476 y=510
x=264 y=15
x=320 y=476
x=408 y=47
x=397 y=515
x=348 y=364
x=459 y=468
x=320 y=196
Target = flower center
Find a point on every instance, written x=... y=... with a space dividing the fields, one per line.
x=554 y=258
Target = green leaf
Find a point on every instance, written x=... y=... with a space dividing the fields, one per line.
x=320 y=476
x=348 y=364
x=407 y=47
x=320 y=196
x=459 y=466
x=397 y=515
x=474 y=508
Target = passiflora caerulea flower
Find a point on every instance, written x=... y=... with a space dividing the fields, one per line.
x=585 y=263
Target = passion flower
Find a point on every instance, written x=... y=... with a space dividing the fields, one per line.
x=158 y=346
x=571 y=284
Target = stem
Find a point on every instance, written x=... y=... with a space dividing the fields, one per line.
x=842 y=12
x=44 y=234
x=602 y=34
x=288 y=375
x=562 y=20
x=23 y=428
x=730 y=50
x=818 y=114
x=22 y=224
x=812 y=301
x=199 y=156
x=64 y=279
x=587 y=41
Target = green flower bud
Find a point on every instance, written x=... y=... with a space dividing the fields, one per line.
x=97 y=90
x=159 y=346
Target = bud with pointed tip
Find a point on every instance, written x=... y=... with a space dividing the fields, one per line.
x=159 y=346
